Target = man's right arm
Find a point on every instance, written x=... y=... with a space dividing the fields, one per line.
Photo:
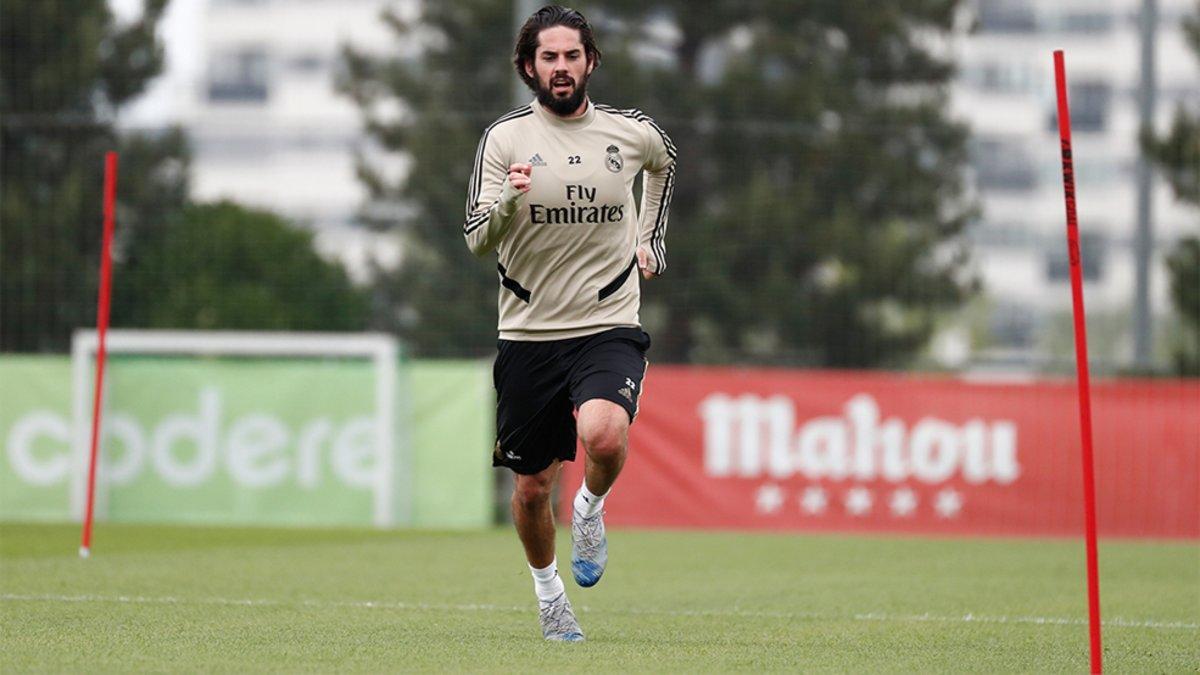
x=491 y=198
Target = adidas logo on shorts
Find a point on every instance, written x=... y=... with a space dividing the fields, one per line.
x=625 y=391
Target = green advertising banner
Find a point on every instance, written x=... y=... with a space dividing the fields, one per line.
x=453 y=412
x=270 y=441
x=35 y=425
x=245 y=441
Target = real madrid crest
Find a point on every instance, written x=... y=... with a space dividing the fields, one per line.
x=613 y=159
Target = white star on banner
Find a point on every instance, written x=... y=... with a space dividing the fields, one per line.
x=769 y=498
x=814 y=501
x=904 y=502
x=949 y=503
x=858 y=501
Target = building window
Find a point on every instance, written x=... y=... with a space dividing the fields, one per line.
x=239 y=76
x=1006 y=16
x=1012 y=326
x=1009 y=235
x=1090 y=102
x=1092 y=249
x=1000 y=77
x=1003 y=165
x=306 y=63
x=1087 y=22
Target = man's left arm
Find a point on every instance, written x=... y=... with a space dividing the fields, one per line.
x=658 y=181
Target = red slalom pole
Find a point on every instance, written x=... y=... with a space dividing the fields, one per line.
x=1081 y=362
x=102 y=307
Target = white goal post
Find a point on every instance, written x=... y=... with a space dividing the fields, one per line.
x=381 y=349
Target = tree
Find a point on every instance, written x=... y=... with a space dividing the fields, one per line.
x=441 y=300
x=67 y=68
x=1183 y=264
x=225 y=266
x=819 y=193
x=1177 y=155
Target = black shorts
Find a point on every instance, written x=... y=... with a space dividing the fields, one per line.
x=539 y=385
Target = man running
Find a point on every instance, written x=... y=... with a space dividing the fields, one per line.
x=552 y=194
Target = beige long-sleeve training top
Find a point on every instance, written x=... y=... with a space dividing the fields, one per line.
x=566 y=248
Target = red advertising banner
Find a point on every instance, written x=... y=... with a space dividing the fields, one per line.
x=847 y=451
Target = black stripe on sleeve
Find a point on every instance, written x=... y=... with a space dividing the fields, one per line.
x=476 y=221
x=658 y=238
x=477 y=172
x=635 y=114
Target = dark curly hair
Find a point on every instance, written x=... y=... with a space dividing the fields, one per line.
x=548 y=17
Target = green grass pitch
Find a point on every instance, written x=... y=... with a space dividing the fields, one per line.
x=173 y=599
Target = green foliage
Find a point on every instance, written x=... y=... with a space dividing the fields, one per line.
x=67 y=67
x=818 y=200
x=1183 y=264
x=819 y=177
x=1177 y=155
x=225 y=266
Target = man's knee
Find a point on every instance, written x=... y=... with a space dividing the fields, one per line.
x=604 y=430
x=531 y=492
x=608 y=443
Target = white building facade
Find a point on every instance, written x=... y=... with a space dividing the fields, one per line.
x=252 y=82
x=1005 y=92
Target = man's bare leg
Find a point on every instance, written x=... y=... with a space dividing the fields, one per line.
x=533 y=516
x=535 y=526
x=604 y=428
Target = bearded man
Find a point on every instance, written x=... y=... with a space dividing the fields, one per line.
x=552 y=194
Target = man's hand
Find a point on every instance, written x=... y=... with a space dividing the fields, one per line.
x=643 y=258
x=519 y=176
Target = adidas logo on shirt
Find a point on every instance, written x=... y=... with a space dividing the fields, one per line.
x=537 y=160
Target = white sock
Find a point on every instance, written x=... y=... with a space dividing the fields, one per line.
x=586 y=503
x=546 y=582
